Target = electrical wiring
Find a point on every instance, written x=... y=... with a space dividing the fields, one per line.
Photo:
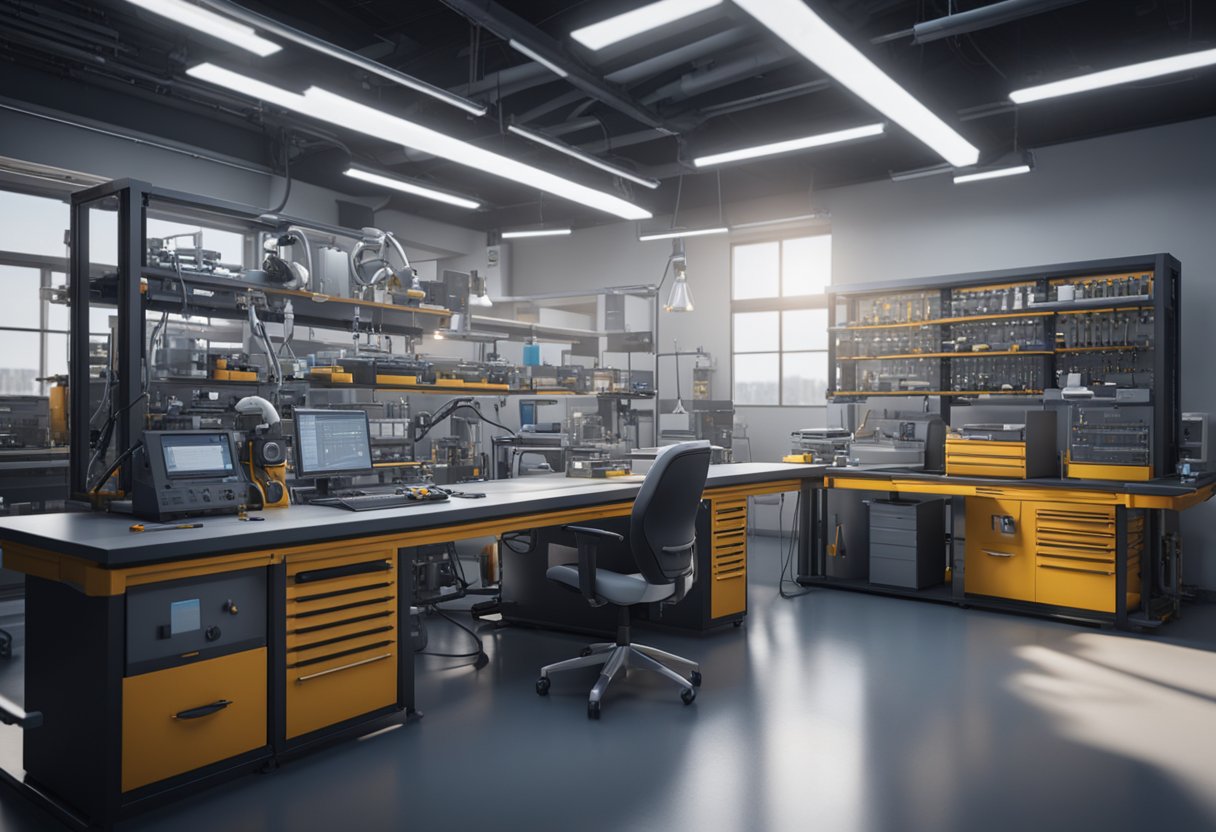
x=479 y=654
x=787 y=557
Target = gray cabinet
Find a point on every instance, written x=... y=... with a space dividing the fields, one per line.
x=907 y=543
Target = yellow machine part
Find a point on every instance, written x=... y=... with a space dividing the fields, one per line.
x=334 y=375
x=59 y=414
x=1117 y=473
x=805 y=459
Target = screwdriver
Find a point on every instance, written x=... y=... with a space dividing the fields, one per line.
x=140 y=527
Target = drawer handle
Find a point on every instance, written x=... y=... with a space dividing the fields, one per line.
x=991 y=553
x=1074 y=569
x=204 y=710
x=343 y=571
x=360 y=663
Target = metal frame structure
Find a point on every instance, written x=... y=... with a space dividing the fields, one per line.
x=1166 y=303
x=134 y=288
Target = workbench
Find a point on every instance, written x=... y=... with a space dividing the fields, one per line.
x=1091 y=550
x=163 y=662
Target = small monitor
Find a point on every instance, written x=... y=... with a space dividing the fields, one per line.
x=197 y=455
x=331 y=443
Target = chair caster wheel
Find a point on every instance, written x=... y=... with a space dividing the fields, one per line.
x=584 y=653
x=593 y=710
x=688 y=695
x=542 y=686
x=695 y=677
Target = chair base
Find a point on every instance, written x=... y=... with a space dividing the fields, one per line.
x=617 y=659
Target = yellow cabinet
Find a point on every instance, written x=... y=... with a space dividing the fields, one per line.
x=193 y=715
x=342 y=636
x=999 y=560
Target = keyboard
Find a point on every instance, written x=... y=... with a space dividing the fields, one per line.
x=371 y=502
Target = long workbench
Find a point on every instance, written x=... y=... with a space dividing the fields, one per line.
x=1093 y=550
x=161 y=662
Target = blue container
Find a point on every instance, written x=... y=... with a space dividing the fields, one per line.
x=532 y=355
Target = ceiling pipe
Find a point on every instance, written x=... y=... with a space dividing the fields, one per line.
x=985 y=17
x=510 y=26
x=761 y=99
x=510 y=76
x=696 y=83
x=675 y=57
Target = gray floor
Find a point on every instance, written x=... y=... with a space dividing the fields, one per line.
x=833 y=711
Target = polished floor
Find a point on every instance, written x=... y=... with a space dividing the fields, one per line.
x=833 y=711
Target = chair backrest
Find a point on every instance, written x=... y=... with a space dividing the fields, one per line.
x=662 y=527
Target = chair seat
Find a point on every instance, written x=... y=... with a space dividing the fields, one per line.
x=614 y=587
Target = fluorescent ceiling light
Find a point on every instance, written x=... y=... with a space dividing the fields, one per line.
x=210 y=23
x=545 y=62
x=799 y=218
x=342 y=112
x=671 y=235
x=994 y=173
x=269 y=24
x=623 y=26
x=575 y=153
x=920 y=173
x=535 y=232
x=792 y=144
x=819 y=43
x=1114 y=77
x=411 y=188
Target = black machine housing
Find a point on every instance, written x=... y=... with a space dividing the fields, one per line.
x=159 y=493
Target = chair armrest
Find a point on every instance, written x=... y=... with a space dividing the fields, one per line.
x=587 y=539
x=600 y=533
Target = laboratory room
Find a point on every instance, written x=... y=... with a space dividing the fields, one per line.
x=614 y=415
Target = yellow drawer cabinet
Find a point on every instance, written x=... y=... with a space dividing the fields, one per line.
x=1075 y=555
x=186 y=717
x=728 y=557
x=342 y=637
x=999 y=560
x=1058 y=554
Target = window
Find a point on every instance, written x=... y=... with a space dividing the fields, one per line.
x=779 y=321
x=31 y=246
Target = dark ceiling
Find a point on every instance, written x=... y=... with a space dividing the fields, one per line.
x=644 y=105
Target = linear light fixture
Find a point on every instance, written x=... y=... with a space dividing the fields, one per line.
x=804 y=31
x=1114 y=77
x=804 y=143
x=920 y=173
x=587 y=158
x=535 y=232
x=409 y=187
x=691 y=232
x=992 y=173
x=269 y=24
x=816 y=216
x=531 y=54
x=210 y=23
x=624 y=26
x=326 y=106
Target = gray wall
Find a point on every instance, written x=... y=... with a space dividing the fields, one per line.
x=1145 y=191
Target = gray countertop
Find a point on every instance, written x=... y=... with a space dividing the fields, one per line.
x=106 y=539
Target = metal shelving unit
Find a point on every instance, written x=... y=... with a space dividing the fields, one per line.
x=1123 y=330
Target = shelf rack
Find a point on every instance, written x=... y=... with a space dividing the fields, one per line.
x=1153 y=365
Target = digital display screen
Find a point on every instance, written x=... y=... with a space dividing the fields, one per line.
x=332 y=442
x=184 y=617
x=192 y=455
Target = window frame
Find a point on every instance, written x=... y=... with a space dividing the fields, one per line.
x=780 y=304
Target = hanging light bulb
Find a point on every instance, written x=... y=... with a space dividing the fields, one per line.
x=680 y=299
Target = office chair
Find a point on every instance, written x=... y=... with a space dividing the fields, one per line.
x=662 y=539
